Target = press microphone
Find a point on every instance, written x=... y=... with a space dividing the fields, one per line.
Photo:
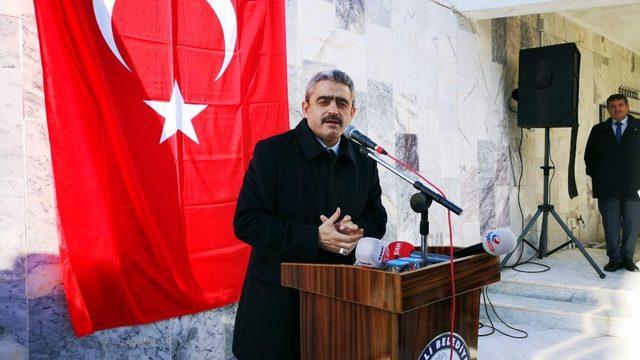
x=400 y=249
x=371 y=252
x=497 y=242
x=353 y=134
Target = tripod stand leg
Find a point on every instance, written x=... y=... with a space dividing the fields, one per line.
x=542 y=246
x=578 y=244
x=521 y=239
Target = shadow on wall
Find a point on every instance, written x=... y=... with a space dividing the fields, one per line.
x=34 y=323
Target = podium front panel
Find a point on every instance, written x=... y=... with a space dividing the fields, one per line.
x=331 y=328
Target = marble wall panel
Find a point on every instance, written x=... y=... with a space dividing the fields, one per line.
x=427 y=79
x=350 y=55
x=429 y=145
x=470 y=129
x=467 y=63
x=403 y=22
x=451 y=146
x=379 y=47
x=408 y=221
x=486 y=177
x=405 y=68
x=41 y=231
x=12 y=208
x=406 y=112
x=447 y=49
x=505 y=171
x=378 y=12
x=350 y=15
x=445 y=19
x=319 y=22
x=380 y=111
x=26 y=6
x=11 y=8
x=360 y=118
x=426 y=31
x=406 y=149
x=447 y=95
x=291 y=22
x=10 y=44
x=498 y=40
x=296 y=88
x=528 y=35
x=502 y=206
x=470 y=234
x=381 y=120
x=32 y=90
x=465 y=24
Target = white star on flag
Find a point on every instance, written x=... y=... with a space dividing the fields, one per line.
x=177 y=114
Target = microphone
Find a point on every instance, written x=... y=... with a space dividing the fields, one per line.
x=353 y=134
x=400 y=249
x=497 y=242
x=371 y=252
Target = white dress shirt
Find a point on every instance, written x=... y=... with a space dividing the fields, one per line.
x=613 y=125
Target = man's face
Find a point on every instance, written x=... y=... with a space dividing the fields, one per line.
x=329 y=110
x=618 y=110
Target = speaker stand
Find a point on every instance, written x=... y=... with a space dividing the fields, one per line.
x=545 y=209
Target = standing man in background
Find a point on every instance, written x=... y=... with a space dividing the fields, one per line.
x=296 y=190
x=612 y=158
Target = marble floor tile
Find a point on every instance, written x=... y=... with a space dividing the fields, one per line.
x=553 y=344
x=13 y=319
x=205 y=335
x=51 y=336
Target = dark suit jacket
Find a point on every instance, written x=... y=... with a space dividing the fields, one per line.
x=614 y=168
x=278 y=213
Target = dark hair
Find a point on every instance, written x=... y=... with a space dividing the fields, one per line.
x=333 y=75
x=617 y=97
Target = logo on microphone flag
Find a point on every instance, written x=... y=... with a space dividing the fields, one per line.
x=153 y=110
x=491 y=239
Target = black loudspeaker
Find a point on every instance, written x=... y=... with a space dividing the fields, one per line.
x=548 y=83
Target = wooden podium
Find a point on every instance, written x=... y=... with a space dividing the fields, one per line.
x=349 y=312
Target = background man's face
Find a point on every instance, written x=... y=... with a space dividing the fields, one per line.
x=329 y=110
x=618 y=110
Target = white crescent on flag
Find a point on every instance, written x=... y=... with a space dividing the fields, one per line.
x=103 y=11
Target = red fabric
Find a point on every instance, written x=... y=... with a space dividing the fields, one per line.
x=146 y=226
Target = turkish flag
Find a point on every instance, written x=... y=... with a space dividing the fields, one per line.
x=153 y=110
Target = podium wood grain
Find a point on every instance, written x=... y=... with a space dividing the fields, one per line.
x=348 y=312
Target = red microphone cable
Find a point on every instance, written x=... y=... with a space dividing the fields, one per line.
x=452 y=314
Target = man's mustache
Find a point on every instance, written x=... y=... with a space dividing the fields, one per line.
x=333 y=118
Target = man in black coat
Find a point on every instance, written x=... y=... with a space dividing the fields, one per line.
x=612 y=158
x=297 y=187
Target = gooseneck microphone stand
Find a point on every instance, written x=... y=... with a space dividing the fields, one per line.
x=545 y=209
x=420 y=202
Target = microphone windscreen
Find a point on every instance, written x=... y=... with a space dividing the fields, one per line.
x=371 y=252
x=349 y=130
x=400 y=249
x=499 y=242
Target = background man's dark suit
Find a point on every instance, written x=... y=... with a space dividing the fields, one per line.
x=285 y=191
x=615 y=172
